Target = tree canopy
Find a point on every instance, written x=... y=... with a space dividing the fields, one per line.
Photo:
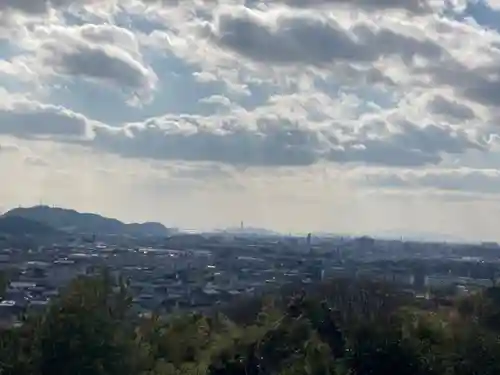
x=337 y=328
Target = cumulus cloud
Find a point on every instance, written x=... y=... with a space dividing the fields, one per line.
x=27 y=119
x=310 y=38
x=104 y=54
x=252 y=138
x=268 y=143
x=100 y=53
x=278 y=141
x=450 y=108
x=413 y=6
x=479 y=84
x=412 y=146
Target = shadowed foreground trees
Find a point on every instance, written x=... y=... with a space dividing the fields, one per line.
x=338 y=328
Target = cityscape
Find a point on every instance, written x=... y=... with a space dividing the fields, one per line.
x=169 y=270
x=249 y=187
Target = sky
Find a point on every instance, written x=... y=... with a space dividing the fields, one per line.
x=347 y=116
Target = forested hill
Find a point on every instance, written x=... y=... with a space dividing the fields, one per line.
x=86 y=223
x=344 y=328
x=19 y=226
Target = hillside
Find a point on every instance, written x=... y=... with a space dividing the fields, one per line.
x=20 y=226
x=76 y=222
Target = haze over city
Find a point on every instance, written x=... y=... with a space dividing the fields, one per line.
x=344 y=117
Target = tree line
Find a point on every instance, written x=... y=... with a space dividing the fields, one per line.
x=340 y=327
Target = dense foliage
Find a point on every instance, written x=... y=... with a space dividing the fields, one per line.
x=339 y=327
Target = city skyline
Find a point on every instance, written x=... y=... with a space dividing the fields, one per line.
x=256 y=230
x=344 y=117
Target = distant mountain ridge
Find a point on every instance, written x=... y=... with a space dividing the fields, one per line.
x=71 y=221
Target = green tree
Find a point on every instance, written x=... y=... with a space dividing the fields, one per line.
x=85 y=332
x=16 y=352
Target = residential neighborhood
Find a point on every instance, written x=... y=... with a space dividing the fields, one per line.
x=197 y=271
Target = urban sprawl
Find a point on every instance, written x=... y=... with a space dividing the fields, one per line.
x=198 y=271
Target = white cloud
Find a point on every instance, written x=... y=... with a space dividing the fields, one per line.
x=8 y=147
x=256 y=138
x=27 y=119
x=459 y=180
x=291 y=37
x=101 y=53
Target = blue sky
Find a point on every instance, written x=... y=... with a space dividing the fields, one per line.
x=360 y=116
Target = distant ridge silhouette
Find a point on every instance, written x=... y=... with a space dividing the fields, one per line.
x=72 y=221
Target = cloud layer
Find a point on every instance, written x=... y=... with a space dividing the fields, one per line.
x=397 y=95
